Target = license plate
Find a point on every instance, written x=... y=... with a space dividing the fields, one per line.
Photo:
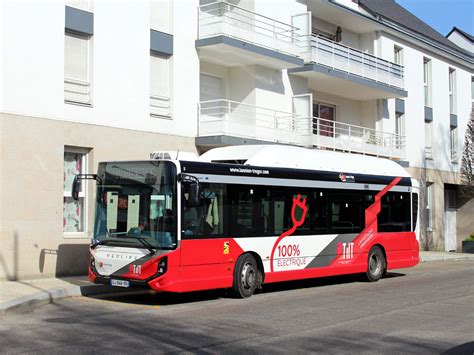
x=120 y=283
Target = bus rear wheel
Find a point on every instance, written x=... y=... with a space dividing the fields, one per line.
x=246 y=276
x=376 y=264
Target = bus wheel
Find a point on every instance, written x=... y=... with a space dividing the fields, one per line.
x=245 y=276
x=376 y=264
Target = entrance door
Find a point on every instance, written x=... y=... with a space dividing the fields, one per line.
x=327 y=115
x=450 y=220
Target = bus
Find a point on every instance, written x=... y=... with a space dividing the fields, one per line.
x=244 y=216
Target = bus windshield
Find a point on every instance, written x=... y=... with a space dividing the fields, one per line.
x=136 y=205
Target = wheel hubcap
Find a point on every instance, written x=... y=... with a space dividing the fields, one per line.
x=375 y=265
x=248 y=276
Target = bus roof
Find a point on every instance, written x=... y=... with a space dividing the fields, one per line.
x=283 y=156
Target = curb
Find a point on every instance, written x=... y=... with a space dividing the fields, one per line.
x=460 y=258
x=31 y=302
x=28 y=303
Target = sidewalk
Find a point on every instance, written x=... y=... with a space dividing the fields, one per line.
x=444 y=256
x=26 y=295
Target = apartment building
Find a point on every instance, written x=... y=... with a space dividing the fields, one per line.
x=86 y=81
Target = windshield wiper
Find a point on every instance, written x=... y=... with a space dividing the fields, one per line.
x=146 y=244
x=143 y=241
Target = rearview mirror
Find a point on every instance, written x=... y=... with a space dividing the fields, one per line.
x=76 y=186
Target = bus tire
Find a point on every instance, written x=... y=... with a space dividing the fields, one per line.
x=376 y=264
x=245 y=277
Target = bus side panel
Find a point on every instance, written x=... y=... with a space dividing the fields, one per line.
x=357 y=265
x=401 y=248
x=208 y=263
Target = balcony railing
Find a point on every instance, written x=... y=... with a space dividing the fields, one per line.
x=160 y=106
x=77 y=91
x=237 y=119
x=222 y=18
x=352 y=138
x=350 y=60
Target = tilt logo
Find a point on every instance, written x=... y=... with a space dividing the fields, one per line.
x=137 y=269
x=347 y=251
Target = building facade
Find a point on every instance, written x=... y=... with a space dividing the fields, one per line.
x=86 y=81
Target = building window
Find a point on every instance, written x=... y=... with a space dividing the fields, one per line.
x=160 y=98
x=429 y=198
x=427 y=81
x=454 y=143
x=74 y=212
x=452 y=90
x=399 y=129
x=398 y=55
x=428 y=139
x=77 y=69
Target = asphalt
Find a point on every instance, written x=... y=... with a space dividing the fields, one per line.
x=23 y=296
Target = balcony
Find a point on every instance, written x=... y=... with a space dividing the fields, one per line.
x=233 y=36
x=346 y=137
x=344 y=71
x=225 y=122
x=77 y=92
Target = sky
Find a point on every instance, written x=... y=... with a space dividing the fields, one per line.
x=442 y=15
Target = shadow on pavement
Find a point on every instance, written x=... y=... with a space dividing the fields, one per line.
x=152 y=298
x=467 y=348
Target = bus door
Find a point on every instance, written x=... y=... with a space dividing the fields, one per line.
x=204 y=256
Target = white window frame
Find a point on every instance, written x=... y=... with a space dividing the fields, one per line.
x=452 y=90
x=83 y=193
x=88 y=82
x=427 y=81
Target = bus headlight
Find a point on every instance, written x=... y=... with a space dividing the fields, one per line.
x=162 y=266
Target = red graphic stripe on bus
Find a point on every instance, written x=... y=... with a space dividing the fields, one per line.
x=371 y=225
x=297 y=202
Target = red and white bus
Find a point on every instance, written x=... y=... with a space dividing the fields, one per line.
x=239 y=217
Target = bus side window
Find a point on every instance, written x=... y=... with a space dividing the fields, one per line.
x=320 y=212
x=248 y=210
x=346 y=212
x=396 y=213
x=283 y=206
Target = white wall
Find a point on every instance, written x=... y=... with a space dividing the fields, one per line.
x=280 y=10
x=414 y=103
x=120 y=68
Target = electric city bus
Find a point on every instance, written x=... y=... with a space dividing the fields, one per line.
x=239 y=217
